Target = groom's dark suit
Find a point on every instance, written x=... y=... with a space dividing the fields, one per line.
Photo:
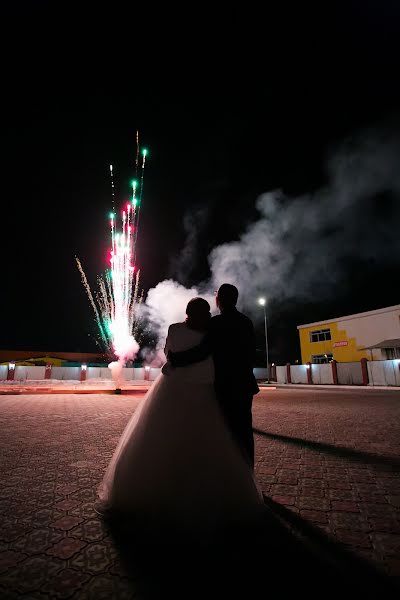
x=231 y=341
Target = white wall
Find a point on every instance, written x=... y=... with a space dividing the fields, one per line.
x=154 y=373
x=105 y=373
x=260 y=373
x=66 y=373
x=384 y=372
x=102 y=373
x=93 y=373
x=374 y=328
x=322 y=374
x=23 y=373
x=281 y=374
x=138 y=374
x=349 y=373
x=298 y=373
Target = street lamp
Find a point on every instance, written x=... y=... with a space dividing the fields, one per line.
x=262 y=302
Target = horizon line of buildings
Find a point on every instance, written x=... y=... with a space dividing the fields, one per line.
x=374 y=335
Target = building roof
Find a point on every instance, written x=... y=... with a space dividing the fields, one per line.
x=395 y=343
x=356 y=316
x=12 y=355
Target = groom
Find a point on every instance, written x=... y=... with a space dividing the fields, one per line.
x=231 y=342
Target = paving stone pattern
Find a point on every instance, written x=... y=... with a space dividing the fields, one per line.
x=331 y=458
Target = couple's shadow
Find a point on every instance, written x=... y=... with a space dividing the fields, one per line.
x=241 y=560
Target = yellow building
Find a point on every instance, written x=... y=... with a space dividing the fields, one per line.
x=374 y=335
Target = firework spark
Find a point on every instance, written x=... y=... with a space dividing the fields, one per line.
x=118 y=296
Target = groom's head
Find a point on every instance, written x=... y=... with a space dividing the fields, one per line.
x=227 y=296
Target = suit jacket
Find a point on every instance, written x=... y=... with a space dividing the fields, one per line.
x=231 y=342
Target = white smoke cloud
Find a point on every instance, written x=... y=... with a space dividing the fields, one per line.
x=116 y=372
x=126 y=348
x=298 y=243
x=166 y=304
x=303 y=242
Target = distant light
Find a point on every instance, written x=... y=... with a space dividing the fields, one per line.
x=111 y=168
x=261 y=301
x=273 y=364
x=134 y=183
x=111 y=216
x=144 y=152
x=83 y=367
x=11 y=366
x=147 y=368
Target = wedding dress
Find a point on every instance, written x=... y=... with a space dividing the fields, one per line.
x=176 y=461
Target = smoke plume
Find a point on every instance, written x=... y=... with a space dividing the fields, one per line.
x=298 y=243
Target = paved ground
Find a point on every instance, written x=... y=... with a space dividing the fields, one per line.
x=328 y=463
x=334 y=459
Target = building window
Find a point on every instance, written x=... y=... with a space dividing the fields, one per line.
x=320 y=336
x=321 y=359
x=392 y=353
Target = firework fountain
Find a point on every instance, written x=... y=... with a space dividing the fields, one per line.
x=117 y=299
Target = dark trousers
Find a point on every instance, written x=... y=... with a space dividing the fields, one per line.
x=238 y=417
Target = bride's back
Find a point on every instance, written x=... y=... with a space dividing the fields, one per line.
x=181 y=337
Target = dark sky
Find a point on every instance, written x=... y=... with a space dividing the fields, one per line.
x=230 y=105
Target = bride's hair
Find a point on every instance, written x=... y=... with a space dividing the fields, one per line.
x=198 y=314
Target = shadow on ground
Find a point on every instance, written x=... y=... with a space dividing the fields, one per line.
x=242 y=562
x=392 y=462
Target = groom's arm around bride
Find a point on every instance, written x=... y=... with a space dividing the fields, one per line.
x=230 y=340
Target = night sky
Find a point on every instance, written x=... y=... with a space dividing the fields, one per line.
x=230 y=105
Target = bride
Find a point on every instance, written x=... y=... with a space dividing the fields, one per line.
x=176 y=463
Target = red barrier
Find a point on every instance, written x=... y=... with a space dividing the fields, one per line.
x=334 y=372
x=309 y=373
x=83 y=372
x=47 y=371
x=364 y=369
x=288 y=373
x=11 y=372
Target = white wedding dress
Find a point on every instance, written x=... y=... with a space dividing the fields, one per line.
x=176 y=461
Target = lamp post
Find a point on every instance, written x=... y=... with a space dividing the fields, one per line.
x=262 y=302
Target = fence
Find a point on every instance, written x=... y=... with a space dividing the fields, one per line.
x=281 y=374
x=349 y=373
x=364 y=372
x=25 y=373
x=382 y=372
x=260 y=373
x=322 y=374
